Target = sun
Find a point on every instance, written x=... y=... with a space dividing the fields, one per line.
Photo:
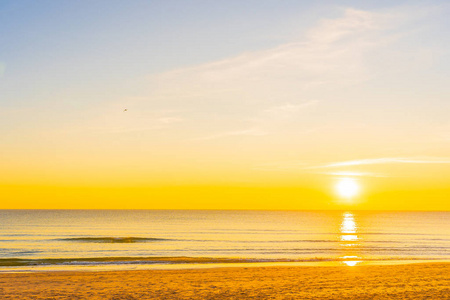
x=347 y=187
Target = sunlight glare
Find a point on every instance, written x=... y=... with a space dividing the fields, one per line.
x=351 y=263
x=347 y=187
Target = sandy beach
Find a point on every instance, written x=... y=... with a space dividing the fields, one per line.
x=412 y=281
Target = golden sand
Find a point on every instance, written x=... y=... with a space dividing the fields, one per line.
x=413 y=281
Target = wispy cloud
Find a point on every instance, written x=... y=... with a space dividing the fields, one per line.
x=265 y=92
x=305 y=167
x=331 y=54
x=347 y=168
x=262 y=91
x=352 y=174
x=385 y=160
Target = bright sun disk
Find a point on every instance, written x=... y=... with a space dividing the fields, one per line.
x=347 y=187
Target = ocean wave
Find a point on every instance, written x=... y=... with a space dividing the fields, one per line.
x=16 y=262
x=117 y=260
x=126 y=240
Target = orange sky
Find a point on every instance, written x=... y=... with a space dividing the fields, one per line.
x=225 y=109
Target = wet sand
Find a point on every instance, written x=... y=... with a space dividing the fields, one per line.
x=413 y=281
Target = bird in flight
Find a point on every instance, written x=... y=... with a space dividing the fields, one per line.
x=125 y=110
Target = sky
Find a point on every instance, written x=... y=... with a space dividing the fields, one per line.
x=224 y=104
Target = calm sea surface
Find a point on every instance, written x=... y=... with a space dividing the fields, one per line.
x=52 y=239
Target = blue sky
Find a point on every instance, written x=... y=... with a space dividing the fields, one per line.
x=232 y=86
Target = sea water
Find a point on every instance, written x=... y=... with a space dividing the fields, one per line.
x=52 y=239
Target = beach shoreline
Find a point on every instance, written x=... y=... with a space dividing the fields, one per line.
x=404 y=281
x=186 y=263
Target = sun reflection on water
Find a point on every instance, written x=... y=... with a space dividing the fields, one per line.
x=348 y=223
x=351 y=263
x=349 y=239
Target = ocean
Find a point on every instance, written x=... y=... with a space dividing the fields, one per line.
x=32 y=240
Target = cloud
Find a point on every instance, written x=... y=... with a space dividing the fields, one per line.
x=331 y=53
x=384 y=160
x=341 y=168
x=352 y=174
x=301 y=166
x=264 y=92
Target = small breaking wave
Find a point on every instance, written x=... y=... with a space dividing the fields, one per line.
x=122 y=260
x=97 y=261
x=125 y=240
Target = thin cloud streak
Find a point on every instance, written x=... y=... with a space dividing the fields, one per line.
x=385 y=160
x=316 y=169
x=331 y=53
x=352 y=174
x=264 y=90
x=302 y=167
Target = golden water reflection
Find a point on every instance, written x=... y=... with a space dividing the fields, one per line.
x=349 y=239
